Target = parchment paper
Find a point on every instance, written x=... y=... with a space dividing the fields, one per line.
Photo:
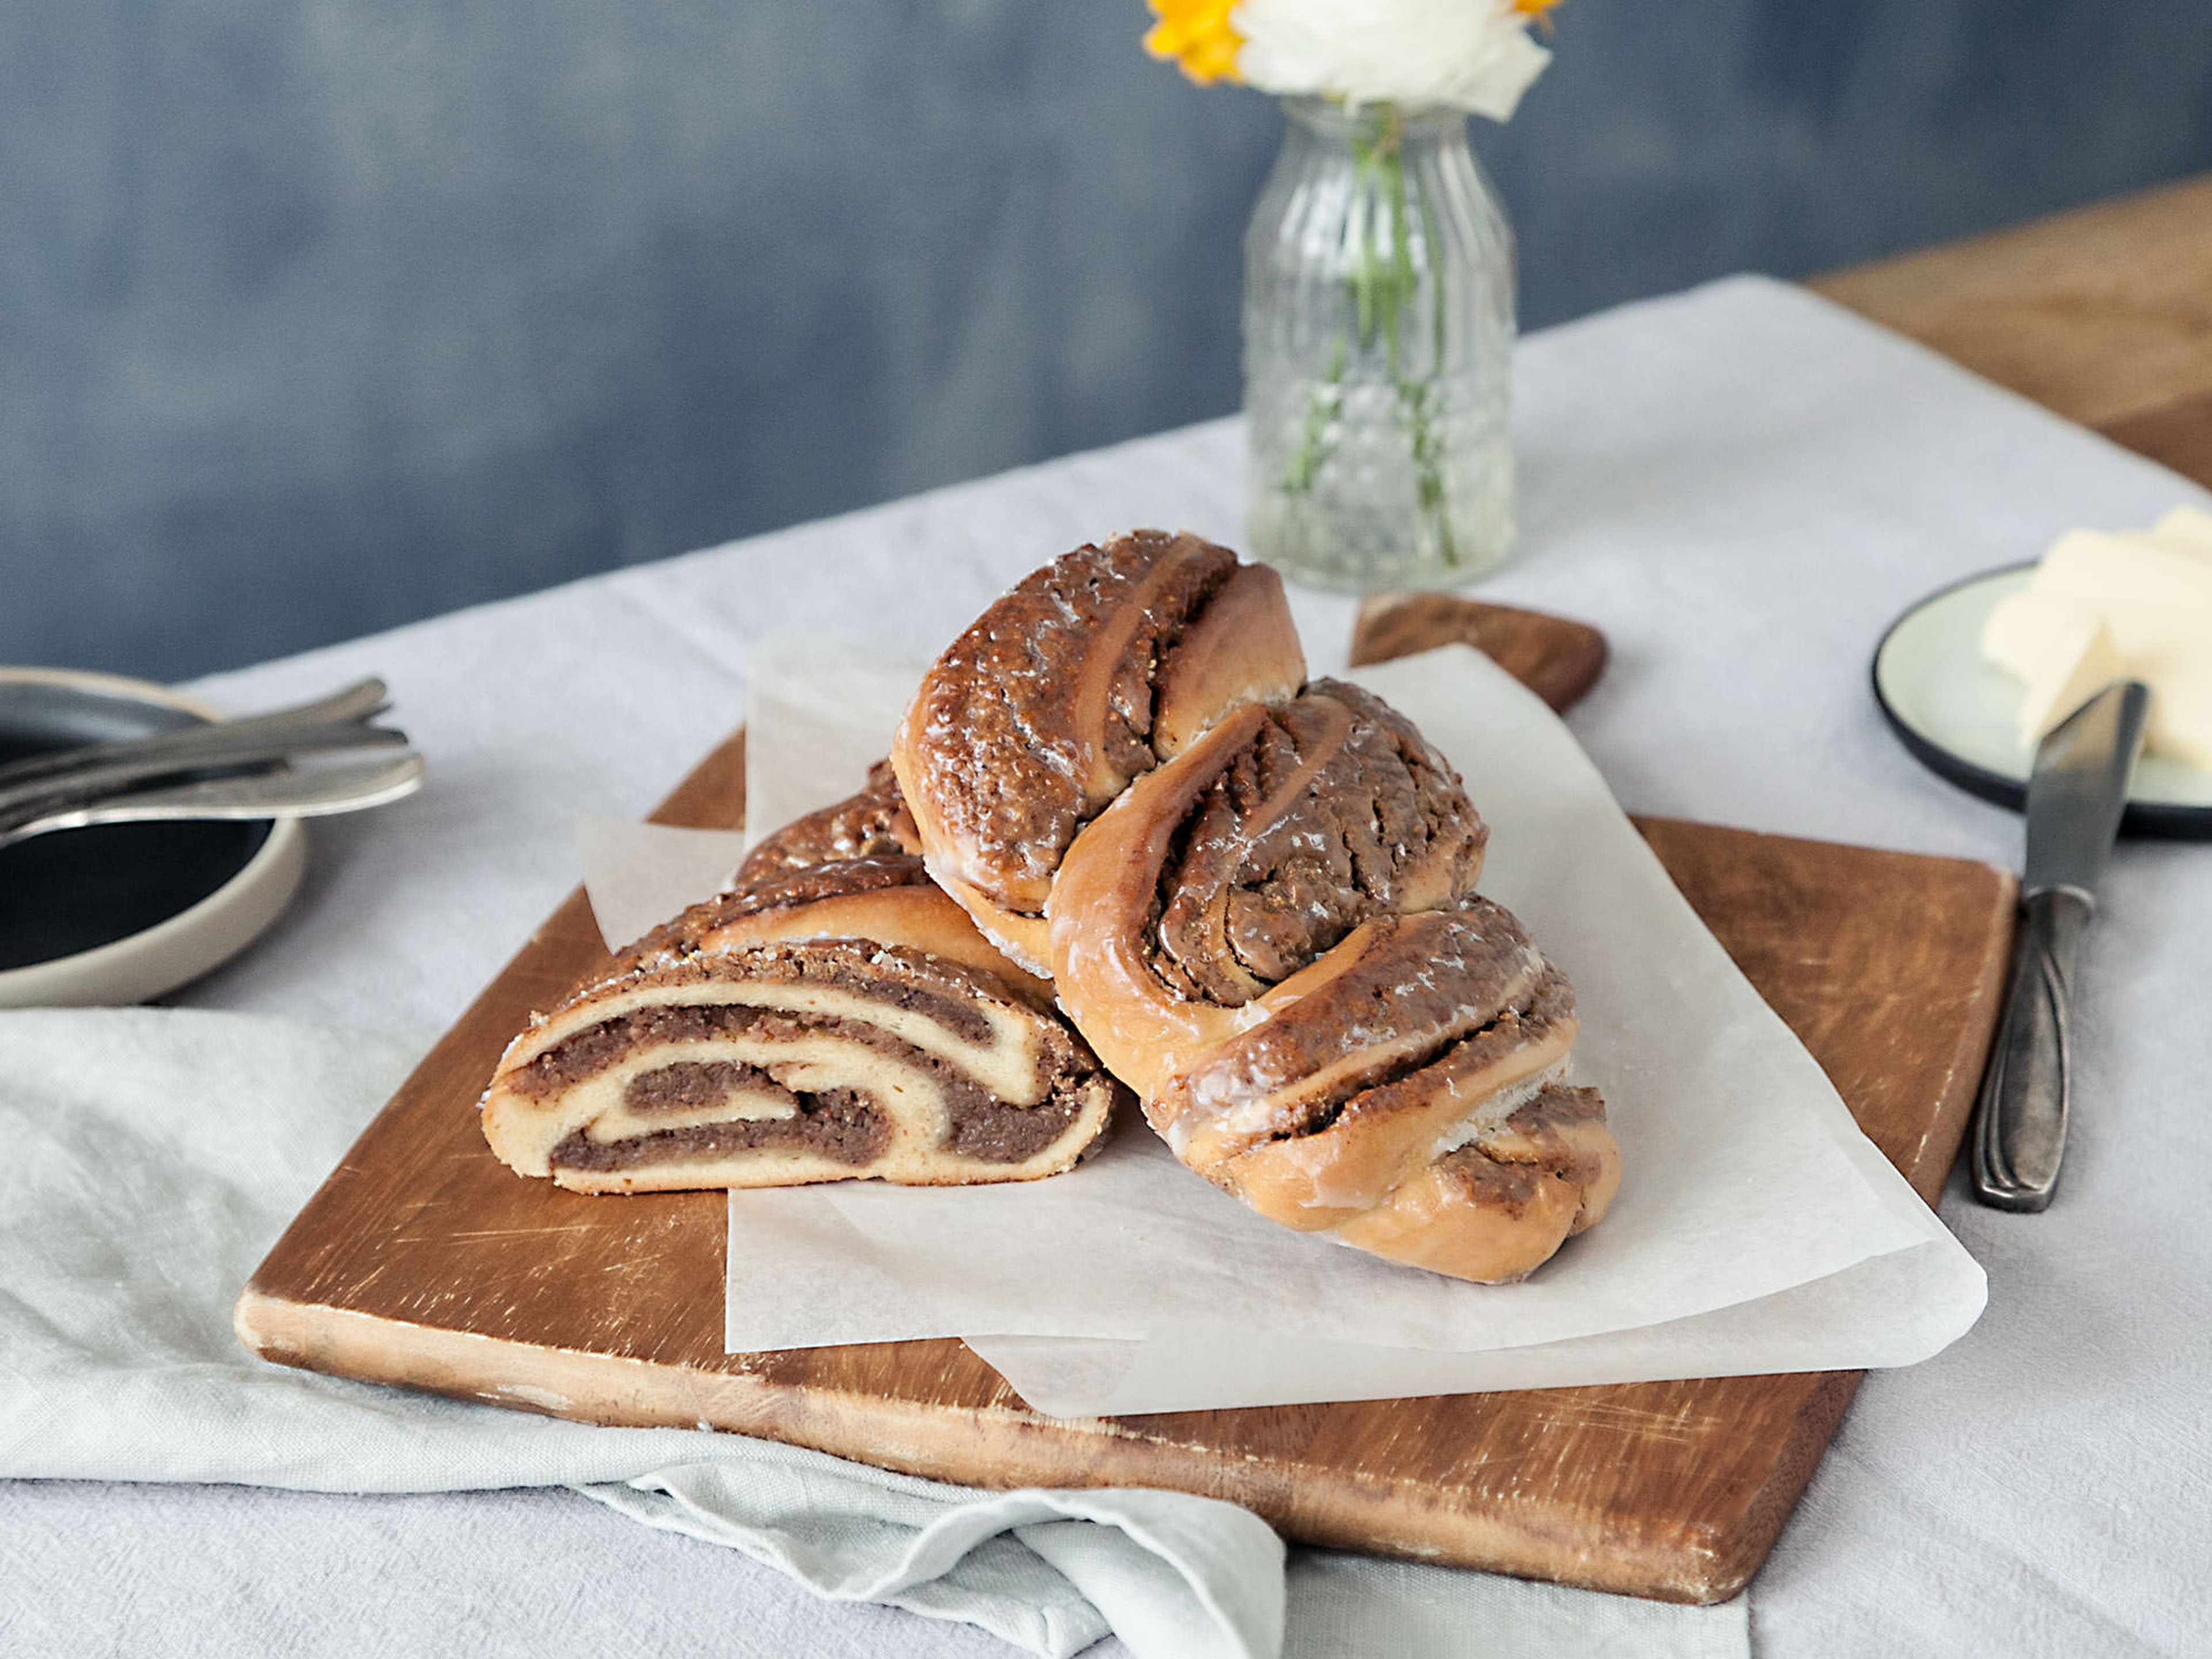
x=1756 y=1229
x=814 y=705
x=638 y=875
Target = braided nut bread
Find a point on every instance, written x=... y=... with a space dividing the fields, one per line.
x=833 y=1016
x=1088 y=673
x=1272 y=934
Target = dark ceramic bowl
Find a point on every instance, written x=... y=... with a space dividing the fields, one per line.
x=123 y=912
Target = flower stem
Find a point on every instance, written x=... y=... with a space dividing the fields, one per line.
x=1384 y=285
x=1427 y=442
x=1317 y=438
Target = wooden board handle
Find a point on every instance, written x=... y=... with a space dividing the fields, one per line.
x=1556 y=659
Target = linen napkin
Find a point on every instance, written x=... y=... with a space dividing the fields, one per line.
x=156 y=1154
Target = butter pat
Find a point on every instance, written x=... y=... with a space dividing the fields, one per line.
x=2026 y=631
x=2134 y=605
x=2155 y=599
x=2185 y=530
x=2077 y=661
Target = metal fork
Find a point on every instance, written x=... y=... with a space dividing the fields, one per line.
x=314 y=793
x=77 y=775
x=208 y=745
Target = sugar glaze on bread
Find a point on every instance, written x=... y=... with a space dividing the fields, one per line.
x=1257 y=901
x=1088 y=673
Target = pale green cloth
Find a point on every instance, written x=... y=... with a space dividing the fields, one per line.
x=155 y=1155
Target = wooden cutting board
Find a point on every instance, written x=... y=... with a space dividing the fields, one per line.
x=424 y=1262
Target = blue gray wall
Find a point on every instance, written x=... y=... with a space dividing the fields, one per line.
x=317 y=315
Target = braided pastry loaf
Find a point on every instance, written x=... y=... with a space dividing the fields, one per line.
x=1256 y=897
x=832 y=1016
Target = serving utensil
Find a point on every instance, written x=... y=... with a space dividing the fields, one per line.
x=2075 y=796
x=60 y=790
x=315 y=792
x=89 y=782
x=199 y=744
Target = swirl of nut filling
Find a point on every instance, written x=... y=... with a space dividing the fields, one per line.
x=1090 y=673
x=1273 y=935
x=833 y=1016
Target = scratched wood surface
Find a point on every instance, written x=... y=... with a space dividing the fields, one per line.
x=424 y=1262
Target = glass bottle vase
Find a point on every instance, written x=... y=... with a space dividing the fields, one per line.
x=1378 y=345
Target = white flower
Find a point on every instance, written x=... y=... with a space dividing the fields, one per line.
x=1473 y=55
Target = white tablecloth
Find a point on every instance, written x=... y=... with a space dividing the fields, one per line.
x=1742 y=487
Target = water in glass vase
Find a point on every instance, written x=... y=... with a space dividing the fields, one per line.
x=1379 y=331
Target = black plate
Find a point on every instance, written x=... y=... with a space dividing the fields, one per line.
x=77 y=889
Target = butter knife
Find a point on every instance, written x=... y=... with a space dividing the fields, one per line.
x=2076 y=795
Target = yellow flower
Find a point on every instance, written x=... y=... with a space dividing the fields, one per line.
x=1199 y=36
x=1538 y=12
